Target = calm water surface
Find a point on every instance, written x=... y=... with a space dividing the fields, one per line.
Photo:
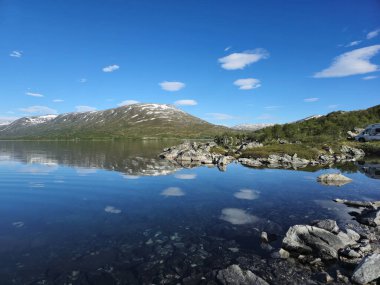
x=97 y=212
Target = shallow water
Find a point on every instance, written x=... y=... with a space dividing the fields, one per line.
x=96 y=212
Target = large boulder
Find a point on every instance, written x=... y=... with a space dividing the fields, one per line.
x=367 y=270
x=234 y=275
x=310 y=240
x=369 y=217
x=334 y=179
x=352 y=151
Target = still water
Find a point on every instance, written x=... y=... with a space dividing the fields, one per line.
x=114 y=213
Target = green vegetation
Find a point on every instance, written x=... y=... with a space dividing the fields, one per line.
x=279 y=149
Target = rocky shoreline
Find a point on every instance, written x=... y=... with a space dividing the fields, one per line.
x=194 y=153
x=320 y=252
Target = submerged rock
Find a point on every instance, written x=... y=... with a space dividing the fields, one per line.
x=367 y=270
x=234 y=275
x=334 y=179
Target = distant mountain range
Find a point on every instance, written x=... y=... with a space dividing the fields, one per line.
x=132 y=121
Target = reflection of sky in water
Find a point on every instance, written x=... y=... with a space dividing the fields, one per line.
x=247 y=194
x=51 y=221
x=173 y=191
x=237 y=216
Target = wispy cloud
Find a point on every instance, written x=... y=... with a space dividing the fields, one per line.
x=58 y=100
x=265 y=117
x=34 y=94
x=186 y=102
x=111 y=68
x=370 y=77
x=38 y=110
x=172 y=85
x=241 y=60
x=127 y=102
x=16 y=53
x=82 y=109
x=354 y=43
x=271 y=108
x=332 y=106
x=227 y=48
x=247 y=83
x=7 y=120
x=351 y=63
x=84 y=80
x=220 y=116
x=311 y=100
x=373 y=34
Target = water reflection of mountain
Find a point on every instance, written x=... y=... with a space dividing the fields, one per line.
x=371 y=170
x=129 y=157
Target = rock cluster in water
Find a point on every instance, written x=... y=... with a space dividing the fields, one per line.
x=201 y=153
x=322 y=243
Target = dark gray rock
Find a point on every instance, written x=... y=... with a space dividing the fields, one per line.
x=328 y=225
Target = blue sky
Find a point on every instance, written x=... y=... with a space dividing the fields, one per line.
x=228 y=62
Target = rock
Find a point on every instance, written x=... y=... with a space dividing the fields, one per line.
x=367 y=270
x=369 y=217
x=365 y=204
x=353 y=235
x=328 y=225
x=264 y=237
x=352 y=152
x=283 y=253
x=250 y=162
x=334 y=179
x=234 y=275
x=309 y=240
x=323 y=277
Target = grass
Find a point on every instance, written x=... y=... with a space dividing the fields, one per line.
x=301 y=150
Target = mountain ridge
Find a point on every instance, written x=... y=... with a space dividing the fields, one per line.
x=130 y=121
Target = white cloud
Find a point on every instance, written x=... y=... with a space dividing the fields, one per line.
x=111 y=68
x=247 y=194
x=38 y=110
x=34 y=94
x=16 y=53
x=247 y=83
x=82 y=109
x=354 y=43
x=58 y=100
x=84 y=80
x=185 y=176
x=172 y=85
x=220 y=116
x=237 y=216
x=310 y=100
x=186 y=102
x=227 y=48
x=370 y=77
x=243 y=59
x=127 y=102
x=173 y=191
x=373 y=34
x=351 y=63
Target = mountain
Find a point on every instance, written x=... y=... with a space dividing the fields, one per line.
x=251 y=127
x=308 y=118
x=131 y=121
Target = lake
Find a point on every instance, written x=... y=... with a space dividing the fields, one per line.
x=114 y=213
